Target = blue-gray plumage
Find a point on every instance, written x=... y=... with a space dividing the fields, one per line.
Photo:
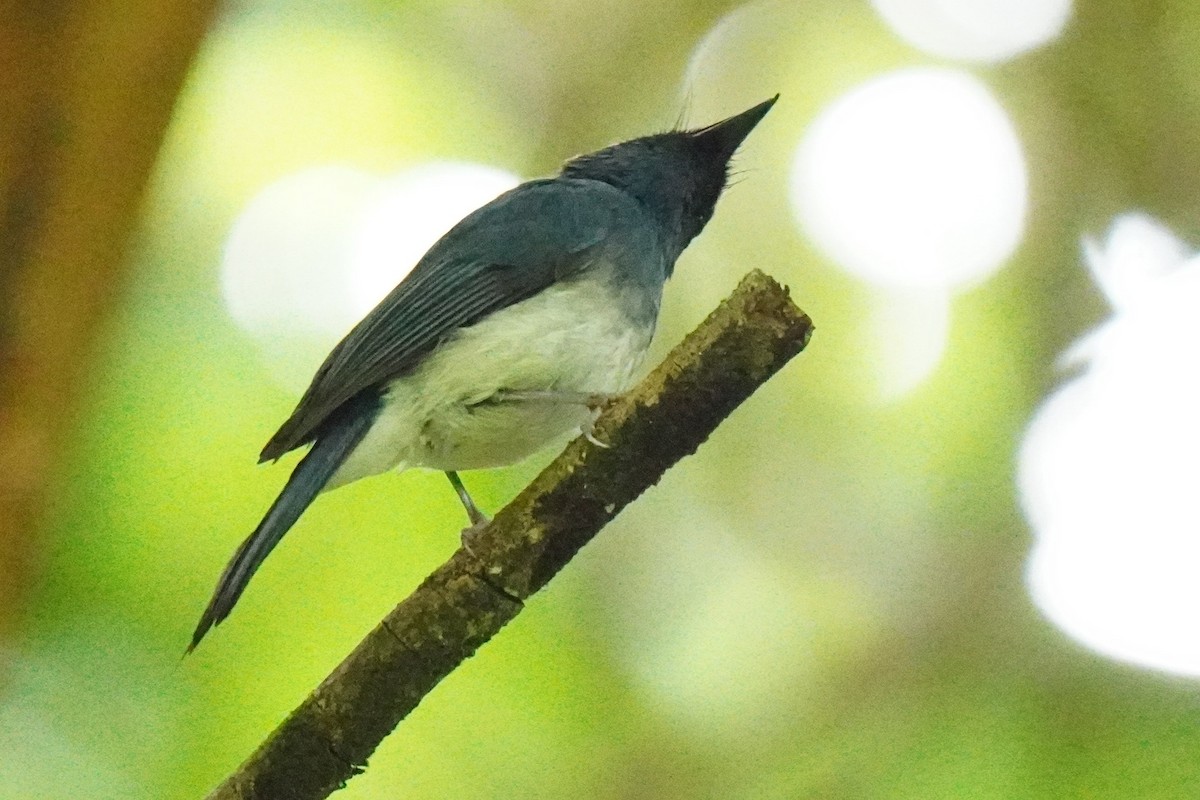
x=488 y=349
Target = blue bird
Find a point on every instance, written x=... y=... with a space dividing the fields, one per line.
x=505 y=334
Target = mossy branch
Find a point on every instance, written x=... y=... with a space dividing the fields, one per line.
x=467 y=600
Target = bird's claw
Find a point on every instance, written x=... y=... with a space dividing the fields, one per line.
x=470 y=534
x=588 y=430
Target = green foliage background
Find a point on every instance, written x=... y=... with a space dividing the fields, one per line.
x=827 y=601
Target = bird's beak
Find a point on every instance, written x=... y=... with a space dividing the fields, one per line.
x=725 y=136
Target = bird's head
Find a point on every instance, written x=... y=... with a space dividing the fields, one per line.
x=678 y=176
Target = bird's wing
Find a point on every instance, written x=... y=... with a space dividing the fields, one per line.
x=507 y=251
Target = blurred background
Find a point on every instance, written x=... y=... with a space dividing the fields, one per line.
x=949 y=552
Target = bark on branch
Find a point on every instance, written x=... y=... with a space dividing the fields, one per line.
x=329 y=737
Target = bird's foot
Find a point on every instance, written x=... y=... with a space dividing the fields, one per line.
x=592 y=400
x=479 y=520
x=588 y=429
x=470 y=534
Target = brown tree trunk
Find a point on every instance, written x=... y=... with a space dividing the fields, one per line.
x=86 y=92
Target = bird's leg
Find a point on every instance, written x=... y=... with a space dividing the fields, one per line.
x=479 y=520
x=592 y=400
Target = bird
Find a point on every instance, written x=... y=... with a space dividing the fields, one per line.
x=506 y=334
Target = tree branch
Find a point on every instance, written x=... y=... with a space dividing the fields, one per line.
x=329 y=737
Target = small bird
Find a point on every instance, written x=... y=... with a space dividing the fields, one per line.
x=506 y=334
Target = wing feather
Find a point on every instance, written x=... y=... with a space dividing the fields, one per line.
x=504 y=253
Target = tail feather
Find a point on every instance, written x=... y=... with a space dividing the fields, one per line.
x=328 y=452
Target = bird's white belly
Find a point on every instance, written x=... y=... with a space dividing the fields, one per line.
x=571 y=338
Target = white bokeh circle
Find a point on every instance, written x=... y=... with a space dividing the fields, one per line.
x=913 y=179
x=975 y=30
x=314 y=251
x=1109 y=468
x=411 y=211
x=282 y=269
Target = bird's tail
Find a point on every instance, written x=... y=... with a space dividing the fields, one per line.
x=328 y=452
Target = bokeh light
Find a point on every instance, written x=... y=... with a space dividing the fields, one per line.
x=746 y=613
x=914 y=179
x=284 y=266
x=1110 y=466
x=716 y=52
x=410 y=212
x=1137 y=252
x=315 y=251
x=908 y=331
x=915 y=183
x=975 y=30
